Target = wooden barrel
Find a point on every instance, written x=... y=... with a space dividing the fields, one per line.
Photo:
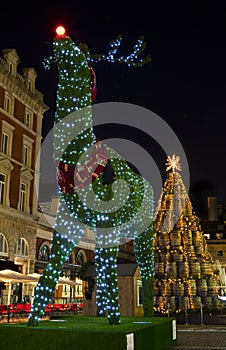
x=178 y=288
x=172 y=303
x=192 y=303
x=206 y=269
x=163 y=240
x=212 y=288
x=164 y=256
x=183 y=302
x=178 y=256
x=216 y=303
x=191 y=252
x=207 y=302
x=171 y=270
x=190 y=287
x=197 y=238
x=183 y=269
x=175 y=239
x=202 y=287
x=165 y=288
x=156 y=256
x=160 y=267
x=199 y=249
x=156 y=289
x=158 y=302
x=187 y=238
x=197 y=302
x=186 y=302
x=195 y=270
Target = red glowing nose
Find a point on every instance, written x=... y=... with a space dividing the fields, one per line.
x=60 y=30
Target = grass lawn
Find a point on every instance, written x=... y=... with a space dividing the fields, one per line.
x=86 y=332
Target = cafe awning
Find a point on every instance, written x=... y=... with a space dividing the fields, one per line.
x=10 y=277
x=61 y=280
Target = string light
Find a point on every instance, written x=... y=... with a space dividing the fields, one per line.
x=182 y=260
x=73 y=138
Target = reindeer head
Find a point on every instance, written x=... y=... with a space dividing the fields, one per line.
x=76 y=77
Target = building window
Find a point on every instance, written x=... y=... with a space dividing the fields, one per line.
x=5 y=143
x=26 y=155
x=3 y=245
x=30 y=84
x=80 y=258
x=10 y=65
x=21 y=248
x=27 y=150
x=25 y=189
x=8 y=104
x=7 y=137
x=28 y=118
x=219 y=235
x=43 y=253
x=79 y=288
x=139 y=293
x=2 y=188
x=219 y=253
x=22 y=197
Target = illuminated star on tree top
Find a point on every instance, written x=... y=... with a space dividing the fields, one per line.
x=173 y=163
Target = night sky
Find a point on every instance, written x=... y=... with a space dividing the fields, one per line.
x=184 y=84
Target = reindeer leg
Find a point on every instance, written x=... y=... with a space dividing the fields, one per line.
x=61 y=249
x=107 y=276
x=101 y=297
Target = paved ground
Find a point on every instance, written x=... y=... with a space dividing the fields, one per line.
x=201 y=337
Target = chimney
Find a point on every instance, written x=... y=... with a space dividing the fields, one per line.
x=212 y=208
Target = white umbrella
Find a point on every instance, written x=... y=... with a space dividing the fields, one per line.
x=61 y=280
x=13 y=276
x=10 y=276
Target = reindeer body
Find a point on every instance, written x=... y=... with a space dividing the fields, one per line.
x=80 y=161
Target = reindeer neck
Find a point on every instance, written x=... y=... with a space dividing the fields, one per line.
x=73 y=108
x=74 y=78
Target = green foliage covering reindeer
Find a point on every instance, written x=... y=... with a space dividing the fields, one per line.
x=110 y=208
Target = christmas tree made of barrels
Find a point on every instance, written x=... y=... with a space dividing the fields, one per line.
x=186 y=277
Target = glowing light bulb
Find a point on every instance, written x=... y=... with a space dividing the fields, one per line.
x=60 y=30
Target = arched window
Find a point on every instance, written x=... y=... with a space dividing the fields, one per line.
x=43 y=252
x=71 y=259
x=81 y=257
x=3 y=245
x=21 y=248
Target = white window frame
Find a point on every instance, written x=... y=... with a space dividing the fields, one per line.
x=27 y=150
x=2 y=189
x=8 y=103
x=5 y=143
x=30 y=84
x=4 y=247
x=26 y=155
x=139 y=290
x=28 y=118
x=7 y=129
x=10 y=67
x=5 y=168
x=23 y=197
x=21 y=248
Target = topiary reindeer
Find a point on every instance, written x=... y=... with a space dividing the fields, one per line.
x=116 y=208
